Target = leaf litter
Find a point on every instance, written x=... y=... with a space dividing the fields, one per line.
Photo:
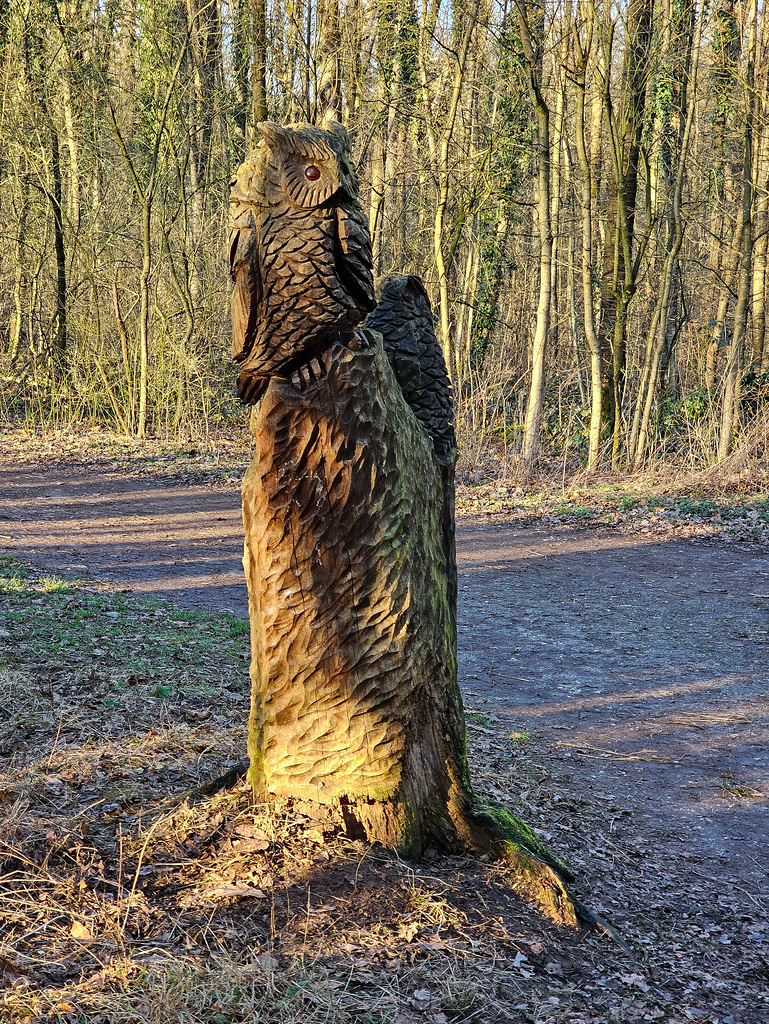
x=728 y=503
x=120 y=903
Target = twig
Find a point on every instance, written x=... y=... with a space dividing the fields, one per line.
x=641 y=755
x=733 y=884
x=56 y=740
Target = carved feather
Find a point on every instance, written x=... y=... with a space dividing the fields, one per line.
x=404 y=319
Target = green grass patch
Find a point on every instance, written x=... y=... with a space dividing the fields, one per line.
x=479 y=718
x=520 y=736
x=46 y=620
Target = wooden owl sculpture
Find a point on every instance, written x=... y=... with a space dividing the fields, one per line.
x=348 y=509
x=404 y=319
x=348 y=512
x=300 y=252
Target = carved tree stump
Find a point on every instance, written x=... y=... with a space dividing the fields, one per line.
x=351 y=574
x=348 y=508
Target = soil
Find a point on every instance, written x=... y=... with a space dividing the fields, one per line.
x=638 y=666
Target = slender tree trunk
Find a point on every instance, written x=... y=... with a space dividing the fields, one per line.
x=60 y=320
x=442 y=261
x=73 y=194
x=258 y=67
x=130 y=417
x=586 y=202
x=596 y=106
x=719 y=333
x=377 y=200
x=20 y=272
x=658 y=335
x=144 y=313
x=625 y=135
x=329 y=44
x=240 y=73
x=760 y=248
x=533 y=63
x=731 y=398
x=556 y=176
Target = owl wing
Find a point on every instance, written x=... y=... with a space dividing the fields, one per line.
x=246 y=296
x=245 y=274
x=404 y=319
x=353 y=259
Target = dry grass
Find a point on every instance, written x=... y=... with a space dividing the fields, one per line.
x=489 y=461
x=212 y=455
x=117 y=909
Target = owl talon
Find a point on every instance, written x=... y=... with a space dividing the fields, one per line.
x=307 y=374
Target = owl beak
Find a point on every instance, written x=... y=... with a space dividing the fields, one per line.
x=276 y=137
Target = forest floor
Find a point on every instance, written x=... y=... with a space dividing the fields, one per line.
x=614 y=660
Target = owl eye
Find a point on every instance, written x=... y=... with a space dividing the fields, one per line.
x=311 y=173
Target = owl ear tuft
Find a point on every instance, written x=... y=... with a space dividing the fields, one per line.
x=336 y=129
x=276 y=137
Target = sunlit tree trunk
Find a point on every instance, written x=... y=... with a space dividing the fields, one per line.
x=330 y=79
x=59 y=331
x=18 y=316
x=674 y=163
x=760 y=248
x=532 y=48
x=731 y=395
x=258 y=66
x=624 y=125
x=442 y=173
x=240 y=73
x=582 y=45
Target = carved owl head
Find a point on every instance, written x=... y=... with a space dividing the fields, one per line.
x=314 y=164
x=300 y=251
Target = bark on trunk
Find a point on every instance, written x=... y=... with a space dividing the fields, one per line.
x=20 y=276
x=730 y=408
x=620 y=264
x=59 y=332
x=259 y=67
x=760 y=249
x=532 y=48
x=586 y=201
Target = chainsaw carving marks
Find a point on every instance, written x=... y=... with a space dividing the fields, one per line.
x=404 y=319
x=348 y=508
x=351 y=624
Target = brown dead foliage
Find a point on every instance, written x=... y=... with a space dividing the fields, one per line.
x=120 y=905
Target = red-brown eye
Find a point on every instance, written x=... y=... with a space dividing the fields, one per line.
x=312 y=173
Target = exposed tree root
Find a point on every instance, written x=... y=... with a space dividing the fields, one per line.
x=226 y=781
x=538 y=875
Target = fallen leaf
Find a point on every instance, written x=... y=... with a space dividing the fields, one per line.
x=421 y=999
x=235 y=891
x=635 y=981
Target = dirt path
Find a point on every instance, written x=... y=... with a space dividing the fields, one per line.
x=641 y=666
x=645 y=664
